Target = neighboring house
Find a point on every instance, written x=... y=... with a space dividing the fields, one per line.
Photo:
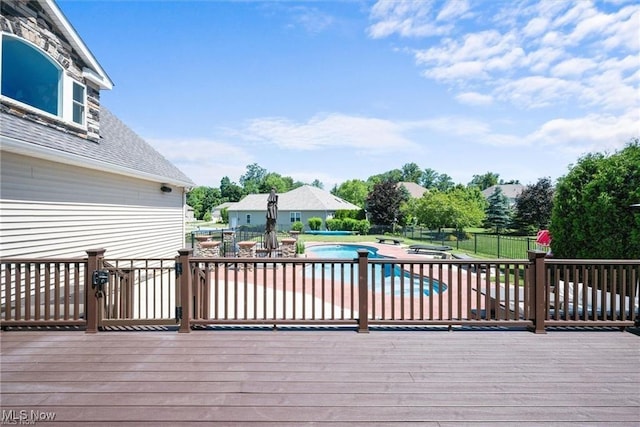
x=189 y=214
x=415 y=190
x=511 y=191
x=299 y=204
x=72 y=176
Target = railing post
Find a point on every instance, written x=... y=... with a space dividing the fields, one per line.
x=363 y=291
x=183 y=276
x=537 y=291
x=94 y=262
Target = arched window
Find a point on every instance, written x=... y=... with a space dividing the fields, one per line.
x=30 y=76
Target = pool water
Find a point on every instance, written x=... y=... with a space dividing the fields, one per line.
x=392 y=273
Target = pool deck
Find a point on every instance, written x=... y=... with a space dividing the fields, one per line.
x=391 y=250
x=297 y=376
x=328 y=377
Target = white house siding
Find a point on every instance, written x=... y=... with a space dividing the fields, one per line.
x=52 y=210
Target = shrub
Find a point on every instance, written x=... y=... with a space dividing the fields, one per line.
x=353 y=214
x=349 y=224
x=297 y=226
x=300 y=247
x=315 y=223
x=363 y=226
x=334 y=224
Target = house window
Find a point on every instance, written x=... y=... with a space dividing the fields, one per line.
x=78 y=103
x=295 y=217
x=30 y=76
x=248 y=218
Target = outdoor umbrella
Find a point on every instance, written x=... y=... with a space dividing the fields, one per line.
x=270 y=240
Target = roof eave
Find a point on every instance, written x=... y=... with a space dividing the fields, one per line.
x=94 y=73
x=18 y=147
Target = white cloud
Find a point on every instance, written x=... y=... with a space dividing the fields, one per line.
x=312 y=19
x=468 y=70
x=205 y=161
x=541 y=60
x=577 y=12
x=623 y=31
x=595 y=24
x=538 y=91
x=573 y=67
x=474 y=98
x=407 y=18
x=538 y=54
x=536 y=27
x=453 y=9
x=333 y=130
x=594 y=132
x=478 y=54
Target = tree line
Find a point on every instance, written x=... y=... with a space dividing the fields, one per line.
x=588 y=211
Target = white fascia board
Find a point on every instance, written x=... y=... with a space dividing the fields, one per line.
x=67 y=29
x=31 y=150
x=96 y=79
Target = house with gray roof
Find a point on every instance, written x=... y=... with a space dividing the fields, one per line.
x=511 y=191
x=415 y=190
x=72 y=175
x=299 y=204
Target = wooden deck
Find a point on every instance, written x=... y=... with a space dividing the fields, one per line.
x=327 y=377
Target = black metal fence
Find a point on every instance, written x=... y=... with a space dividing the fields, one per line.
x=486 y=244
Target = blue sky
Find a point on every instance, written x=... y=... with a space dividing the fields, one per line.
x=339 y=90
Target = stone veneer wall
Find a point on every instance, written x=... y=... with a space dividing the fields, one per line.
x=288 y=247
x=246 y=250
x=210 y=249
x=228 y=236
x=28 y=21
x=199 y=240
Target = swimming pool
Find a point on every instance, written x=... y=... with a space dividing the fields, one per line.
x=392 y=273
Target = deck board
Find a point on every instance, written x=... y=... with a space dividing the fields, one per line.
x=329 y=377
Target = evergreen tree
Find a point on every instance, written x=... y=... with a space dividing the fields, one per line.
x=497 y=211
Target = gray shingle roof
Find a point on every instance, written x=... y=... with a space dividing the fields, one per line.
x=305 y=198
x=416 y=191
x=118 y=146
x=510 y=190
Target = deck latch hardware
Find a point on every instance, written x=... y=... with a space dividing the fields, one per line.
x=178 y=314
x=178 y=269
x=99 y=278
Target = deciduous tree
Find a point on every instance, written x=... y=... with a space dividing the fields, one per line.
x=383 y=204
x=592 y=215
x=411 y=172
x=533 y=207
x=354 y=191
x=484 y=181
x=203 y=199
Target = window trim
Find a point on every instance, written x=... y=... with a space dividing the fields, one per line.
x=82 y=104
x=295 y=217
